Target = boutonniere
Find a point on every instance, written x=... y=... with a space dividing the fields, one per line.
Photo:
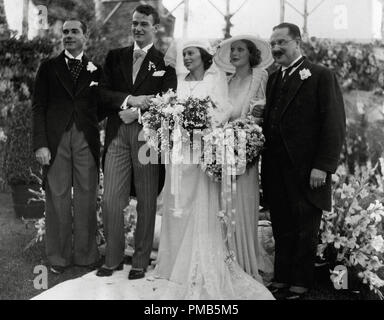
x=305 y=74
x=91 y=67
x=151 y=66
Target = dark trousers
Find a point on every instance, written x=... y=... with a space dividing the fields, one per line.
x=295 y=222
x=122 y=164
x=71 y=219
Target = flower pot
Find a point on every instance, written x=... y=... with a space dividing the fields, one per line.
x=20 y=196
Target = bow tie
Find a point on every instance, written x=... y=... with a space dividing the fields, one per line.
x=75 y=67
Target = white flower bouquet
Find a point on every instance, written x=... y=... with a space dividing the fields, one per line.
x=237 y=144
x=167 y=113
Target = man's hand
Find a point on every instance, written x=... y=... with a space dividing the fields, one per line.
x=43 y=156
x=141 y=102
x=318 y=178
x=128 y=116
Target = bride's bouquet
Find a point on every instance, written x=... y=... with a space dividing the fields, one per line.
x=234 y=147
x=170 y=119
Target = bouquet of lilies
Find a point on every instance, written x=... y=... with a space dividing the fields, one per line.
x=354 y=229
x=167 y=112
x=236 y=145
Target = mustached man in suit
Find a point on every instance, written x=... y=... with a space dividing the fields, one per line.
x=131 y=76
x=66 y=142
x=304 y=128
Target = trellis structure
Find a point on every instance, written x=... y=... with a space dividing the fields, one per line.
x=305 y=13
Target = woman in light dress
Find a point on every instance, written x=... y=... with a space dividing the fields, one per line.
x=192 y=254
x=246 y=58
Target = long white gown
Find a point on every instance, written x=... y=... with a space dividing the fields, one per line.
x=192 y=253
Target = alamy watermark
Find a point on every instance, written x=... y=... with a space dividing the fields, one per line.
x=339 y=277
x=40 y=282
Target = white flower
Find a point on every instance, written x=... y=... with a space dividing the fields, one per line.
x=305 y=74
x=179 y=108
x=3 y=137
x=377 y=243
x=168 y=110
x=91 y=67
x=151 y=66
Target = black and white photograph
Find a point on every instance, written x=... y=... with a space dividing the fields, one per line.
x=192 y=150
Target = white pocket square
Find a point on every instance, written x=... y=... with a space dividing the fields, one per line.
x=158 y=73
x=93 y=83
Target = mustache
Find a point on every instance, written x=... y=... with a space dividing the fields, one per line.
x=277 y=52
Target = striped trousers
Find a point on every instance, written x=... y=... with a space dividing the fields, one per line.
x=71 y=228
x=122 y=164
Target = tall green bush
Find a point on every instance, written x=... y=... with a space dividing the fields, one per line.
x=19 y=61
x=18 y=159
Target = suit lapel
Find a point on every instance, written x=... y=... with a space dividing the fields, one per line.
x=126 y=65
x=84 y=77
x=271 y=90
x=62 y=72
x=296 y=84
x=144 y=69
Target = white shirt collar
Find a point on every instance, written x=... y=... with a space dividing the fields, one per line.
x=285 y=68
x=145 y=49
x=79 y=57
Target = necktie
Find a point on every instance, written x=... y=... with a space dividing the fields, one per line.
x=75 y=67
x=289 y=69
x=138 y=58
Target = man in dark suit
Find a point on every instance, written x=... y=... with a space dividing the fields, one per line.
x=304 y=128
x=66 y=142
x=132 y=75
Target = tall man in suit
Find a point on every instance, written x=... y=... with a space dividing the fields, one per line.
x=304 y=128
x=132 y=75
x=66 y=142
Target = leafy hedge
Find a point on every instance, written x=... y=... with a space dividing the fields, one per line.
x=355 y=64
x=19 y=60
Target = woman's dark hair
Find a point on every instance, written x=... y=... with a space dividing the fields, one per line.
x=148 y=11
x=206 y=58
x=254 y=53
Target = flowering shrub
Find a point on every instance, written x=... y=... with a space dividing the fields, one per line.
x=352 y=234
x=355 y=64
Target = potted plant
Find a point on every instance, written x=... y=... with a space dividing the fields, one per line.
x=20 y=169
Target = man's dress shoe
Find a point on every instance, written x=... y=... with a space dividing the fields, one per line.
x=105 y=272
x=136 y=274
x=57 y=269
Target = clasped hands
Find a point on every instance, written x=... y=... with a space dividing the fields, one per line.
x=136 y=102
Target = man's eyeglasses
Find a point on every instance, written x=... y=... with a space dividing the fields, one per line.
x=280 y=43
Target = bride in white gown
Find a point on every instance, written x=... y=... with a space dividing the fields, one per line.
x=192 y=254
